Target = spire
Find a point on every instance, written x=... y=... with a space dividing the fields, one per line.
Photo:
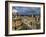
x=32 y=15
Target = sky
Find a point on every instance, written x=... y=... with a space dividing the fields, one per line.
x=26 y=10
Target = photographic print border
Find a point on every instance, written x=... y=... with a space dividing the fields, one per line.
x=6 y=18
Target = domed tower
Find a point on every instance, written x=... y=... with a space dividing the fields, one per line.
x=17 y=15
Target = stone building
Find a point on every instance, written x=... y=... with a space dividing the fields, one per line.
x=31 y=21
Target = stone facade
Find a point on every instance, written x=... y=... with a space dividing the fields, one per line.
x=31 y=21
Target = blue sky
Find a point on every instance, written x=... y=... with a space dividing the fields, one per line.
x=27 y=10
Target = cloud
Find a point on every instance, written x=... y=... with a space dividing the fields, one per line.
x=27 y=10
